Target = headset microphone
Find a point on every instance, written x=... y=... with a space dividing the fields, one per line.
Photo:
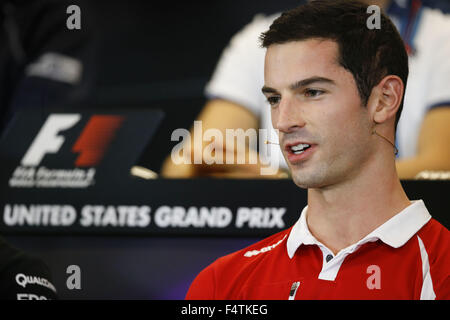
x=270 y=142
x=373 y=132
x=395 y=148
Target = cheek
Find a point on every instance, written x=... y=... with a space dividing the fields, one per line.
x=351 y=133
x=343 y=127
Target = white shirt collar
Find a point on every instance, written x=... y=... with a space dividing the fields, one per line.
x=395 y=232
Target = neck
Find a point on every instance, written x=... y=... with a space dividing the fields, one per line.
x=342 y=214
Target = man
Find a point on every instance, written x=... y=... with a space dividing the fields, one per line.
x=423 y=136
x=336 y=90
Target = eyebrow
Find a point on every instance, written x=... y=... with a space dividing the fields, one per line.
x=300 y=83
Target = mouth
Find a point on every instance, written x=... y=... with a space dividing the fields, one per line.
x=299 y=151
x=297 y=148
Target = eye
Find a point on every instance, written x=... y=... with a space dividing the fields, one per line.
x=312 y=93
x=273 y=100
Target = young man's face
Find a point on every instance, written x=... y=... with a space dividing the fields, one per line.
x=315 y=101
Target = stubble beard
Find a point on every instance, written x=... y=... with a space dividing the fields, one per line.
x=334 y=169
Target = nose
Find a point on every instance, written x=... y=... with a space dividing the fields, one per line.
x=288 y=115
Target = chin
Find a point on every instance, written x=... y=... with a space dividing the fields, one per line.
x=316 y=176
x=307 y=181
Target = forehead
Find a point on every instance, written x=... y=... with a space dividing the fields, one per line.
x=292 y=61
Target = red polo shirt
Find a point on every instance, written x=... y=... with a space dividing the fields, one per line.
x=407 y=257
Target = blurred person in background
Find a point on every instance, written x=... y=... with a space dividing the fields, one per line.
x=46 y=59
x=423 y=136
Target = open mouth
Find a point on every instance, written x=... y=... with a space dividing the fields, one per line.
x=299 y=148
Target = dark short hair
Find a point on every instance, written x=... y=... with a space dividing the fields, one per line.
x=369 y=54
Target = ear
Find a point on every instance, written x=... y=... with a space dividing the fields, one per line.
x=385 y=99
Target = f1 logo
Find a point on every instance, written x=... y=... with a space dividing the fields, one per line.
x=91 y=144
x=95 y=139
x=48 y=140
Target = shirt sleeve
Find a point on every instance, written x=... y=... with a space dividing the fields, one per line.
x=435 y=255
x=439 y=265
x=239 y=74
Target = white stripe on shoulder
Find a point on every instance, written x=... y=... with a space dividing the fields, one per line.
x=427 y=292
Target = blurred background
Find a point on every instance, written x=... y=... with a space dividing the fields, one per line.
x=150 y=54
x=136 y=55
x=171 y=50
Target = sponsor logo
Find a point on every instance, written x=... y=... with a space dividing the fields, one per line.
x=90 y=146
x=23 y=280
x=252 y=253
x=30 y=296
